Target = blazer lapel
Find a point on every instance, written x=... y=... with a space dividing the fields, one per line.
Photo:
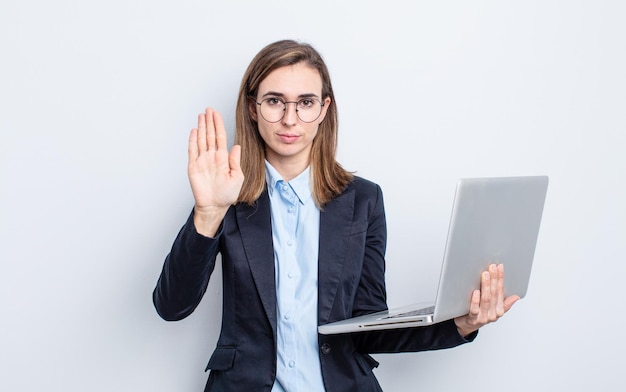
x=256 y=234
x=335 y=222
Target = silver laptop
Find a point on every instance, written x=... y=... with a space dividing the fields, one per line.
x=494 y=220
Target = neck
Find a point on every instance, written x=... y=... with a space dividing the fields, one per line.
x=288 y=168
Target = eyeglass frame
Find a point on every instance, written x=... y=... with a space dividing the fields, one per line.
x=322 y=104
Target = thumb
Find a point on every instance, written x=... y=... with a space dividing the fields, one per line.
x=234 y=159
x=510 y=301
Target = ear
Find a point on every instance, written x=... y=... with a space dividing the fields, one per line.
x=327 y=103
x=252 y=109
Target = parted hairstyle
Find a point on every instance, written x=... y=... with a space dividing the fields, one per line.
x=328 y=177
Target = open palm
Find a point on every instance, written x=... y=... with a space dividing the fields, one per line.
x=214 y=174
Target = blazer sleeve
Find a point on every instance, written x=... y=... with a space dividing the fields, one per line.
x=433 y=337
x=371 y=297
x=186 y=272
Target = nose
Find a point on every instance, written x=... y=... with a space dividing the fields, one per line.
x=291 y=113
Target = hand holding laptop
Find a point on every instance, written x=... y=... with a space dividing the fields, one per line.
x=487 y=304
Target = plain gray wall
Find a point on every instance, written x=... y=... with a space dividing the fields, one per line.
x=96 y=102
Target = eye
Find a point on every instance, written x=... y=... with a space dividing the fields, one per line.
x=274 y=102
x=306 y=103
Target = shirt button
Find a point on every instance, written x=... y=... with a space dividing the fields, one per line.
x=292 y=364
x=290 y=242
x=291 y=210
x=326 y=348
x=287 y=316
x=291 y=275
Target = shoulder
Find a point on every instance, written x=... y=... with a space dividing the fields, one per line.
x=365 y=193
x=364 y=187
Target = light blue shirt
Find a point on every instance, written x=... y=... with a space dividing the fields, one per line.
x=295 y=232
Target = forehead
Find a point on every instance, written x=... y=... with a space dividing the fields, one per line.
x=292 y=80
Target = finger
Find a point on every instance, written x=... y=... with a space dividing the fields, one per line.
x=210 y=129
x=493 y=280
x=475 y=303
x=500 y=309
x=220 y=132
x=201 y=133
x=485 y=292
x=493 y=288
x=193 y=145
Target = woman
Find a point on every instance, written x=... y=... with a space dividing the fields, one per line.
x=302 y=241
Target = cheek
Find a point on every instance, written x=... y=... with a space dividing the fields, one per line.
x=314 y=131
x=264 y=131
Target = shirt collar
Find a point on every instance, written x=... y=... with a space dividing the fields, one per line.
x=300 y=185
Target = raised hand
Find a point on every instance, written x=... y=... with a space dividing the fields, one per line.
x=214 y=174
x=487 y=304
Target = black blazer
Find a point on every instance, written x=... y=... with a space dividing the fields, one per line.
x=351 y=282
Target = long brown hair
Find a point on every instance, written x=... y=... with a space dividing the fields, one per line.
x=328 y=178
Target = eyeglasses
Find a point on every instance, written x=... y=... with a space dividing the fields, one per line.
x=273 y=109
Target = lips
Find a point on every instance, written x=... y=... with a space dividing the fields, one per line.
x=288 y=138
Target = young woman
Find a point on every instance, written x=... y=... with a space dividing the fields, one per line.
x=302 y=241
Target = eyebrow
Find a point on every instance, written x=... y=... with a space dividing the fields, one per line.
x=281 y=95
